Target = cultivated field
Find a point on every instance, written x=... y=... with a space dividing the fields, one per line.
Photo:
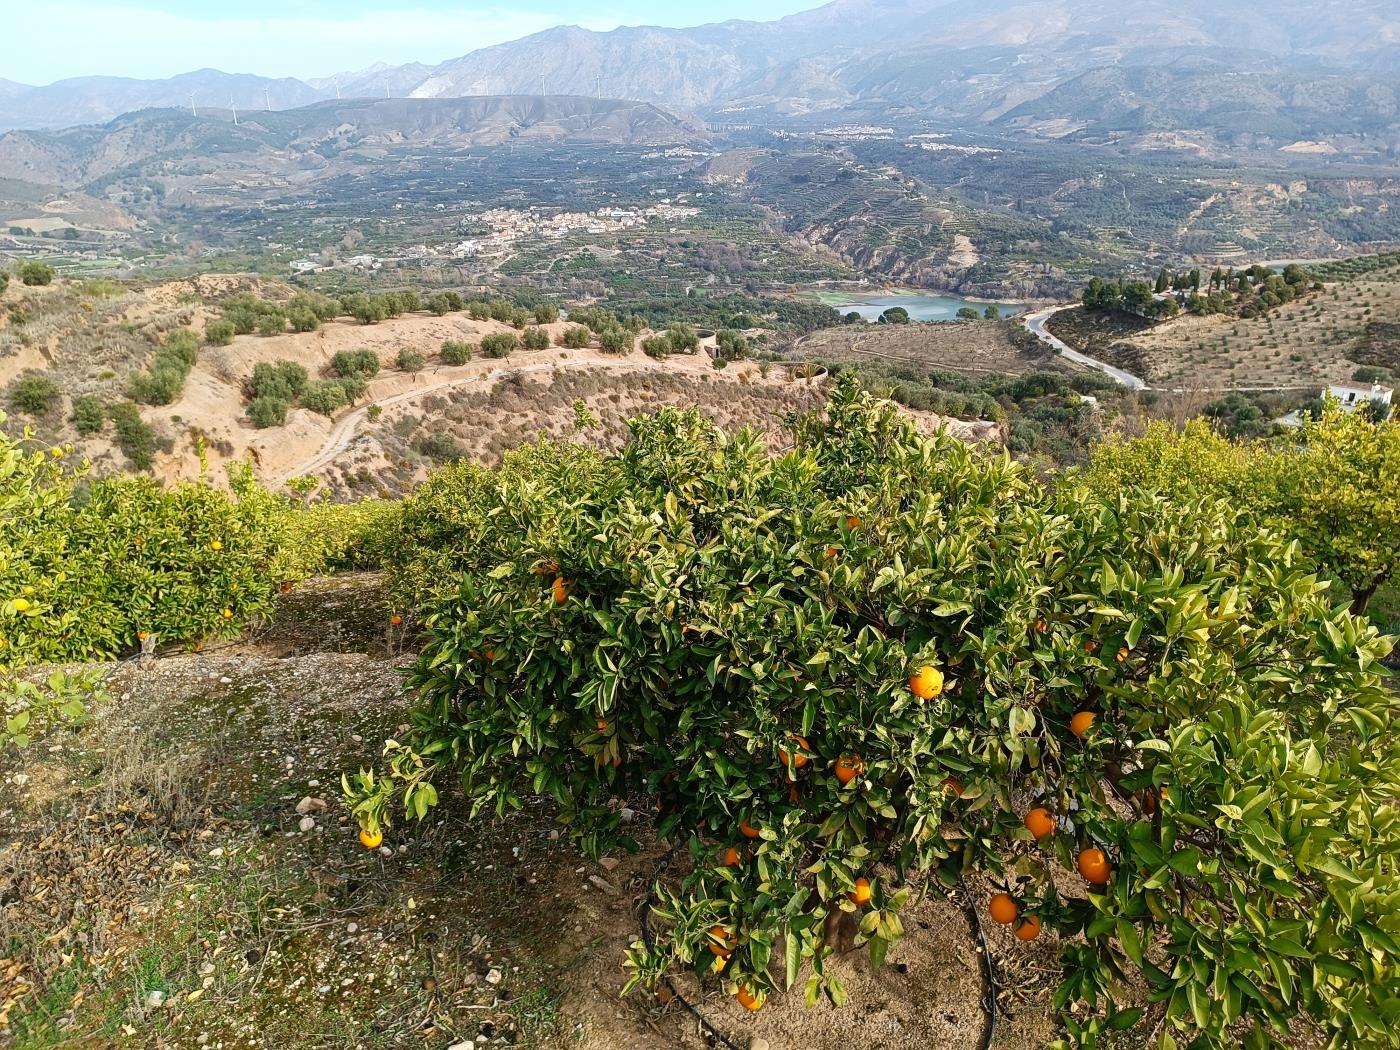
x=974 y=348
x=1320 y=338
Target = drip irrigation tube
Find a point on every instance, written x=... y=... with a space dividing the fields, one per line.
x=987 y=968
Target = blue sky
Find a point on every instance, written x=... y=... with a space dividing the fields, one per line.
x=307 y=38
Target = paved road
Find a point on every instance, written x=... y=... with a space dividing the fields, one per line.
x=1035 y=322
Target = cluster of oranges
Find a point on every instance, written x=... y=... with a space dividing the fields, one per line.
x=1092 y=863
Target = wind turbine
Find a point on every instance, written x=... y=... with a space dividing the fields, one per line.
x=193 y=112
x=267 y=98
x=233 y=106
x=337 y=87
x=542 y=84
x=386 y=89
x=600 y=87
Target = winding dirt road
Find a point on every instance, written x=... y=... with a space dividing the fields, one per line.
x=1035 y=324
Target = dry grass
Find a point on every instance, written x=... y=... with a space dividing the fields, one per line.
x=976 y=348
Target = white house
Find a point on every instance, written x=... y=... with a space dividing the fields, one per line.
x=1353 y=394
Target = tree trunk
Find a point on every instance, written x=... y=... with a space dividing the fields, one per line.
x=1361 y=596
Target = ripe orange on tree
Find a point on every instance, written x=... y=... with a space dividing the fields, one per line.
x=926 y=682
x=795 y=760
x=748 y=830
x=720 y=941
x=952 y=786
x=747 y=999
x=396 y=619
x=731 y=858
x=1123 y=653
x=1093 y=865
x=1027 y=929
x=371 y=839
x=861 y=894
x=562 y=589
x=852 y=521
x=1003 y=909
x=1082 y=722
x=848 y=767
x=1040 y=823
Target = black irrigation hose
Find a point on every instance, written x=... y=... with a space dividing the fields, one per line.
x=988 y=969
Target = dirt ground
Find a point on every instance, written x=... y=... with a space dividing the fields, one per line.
x=976 y=348
x=159 y=888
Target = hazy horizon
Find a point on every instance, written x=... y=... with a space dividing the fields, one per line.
x=154 y=39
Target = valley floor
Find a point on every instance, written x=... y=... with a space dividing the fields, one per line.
x=160 y=888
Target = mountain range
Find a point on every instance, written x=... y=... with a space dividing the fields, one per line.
x=1015 y=60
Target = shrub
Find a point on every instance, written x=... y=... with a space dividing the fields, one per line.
x=354 y=386
x=683 y=339
x=274 y=322
x=89 y=415
x=498 y=344
x=245 y=311
x=546 y=313
x=324 y=397
x=169 y=368
x=282 y=381
x=535 y=339
x=410 y=360
x=456 y=352
x=36 y=273
x=326 y=538
x=219 y=332
x=134 y=436
x=441 y=304
x=657 y=346
x=82 y=577
x=679 y=620
x=32 y=392
x=440 y=447
x=575 y=337
x=355 y=362
x=615 y=340
x=4 y=281
x=267 y=411
x=720 y=363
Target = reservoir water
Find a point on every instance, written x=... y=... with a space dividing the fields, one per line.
x=922 y=306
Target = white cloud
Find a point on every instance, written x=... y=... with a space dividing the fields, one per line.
x=77 y=39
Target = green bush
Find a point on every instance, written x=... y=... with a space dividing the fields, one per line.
x=546 y=313
x=498 y=344
x=657 y=346
x=32 y=392
x=615 y=341
x=575 y=337
x=169 y=369
x=325 y=396
x=411 y=360
x=456 y=352
x=4 y=281
x=36 y=273
x=267 y=411
x=89 y=415
x=284 y=380
x=135 y=437
x=327 y=538
x=274 y=322
x=355 y=362
x=535 y=339
x=219 y=332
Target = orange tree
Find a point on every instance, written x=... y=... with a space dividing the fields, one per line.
x=86 y=567
x=949 y=645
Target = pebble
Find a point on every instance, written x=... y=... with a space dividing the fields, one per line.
x=627 y=815
x=603 y=884
x=353 y=927
x=311 y=805
x=156 y=999
x=465 y=1044
x=608 y=863
x=225 y=680
x=759 y=1043
x=307 y=823
x=493 y=976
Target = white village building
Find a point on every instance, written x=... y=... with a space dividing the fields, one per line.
x=1352 y=395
